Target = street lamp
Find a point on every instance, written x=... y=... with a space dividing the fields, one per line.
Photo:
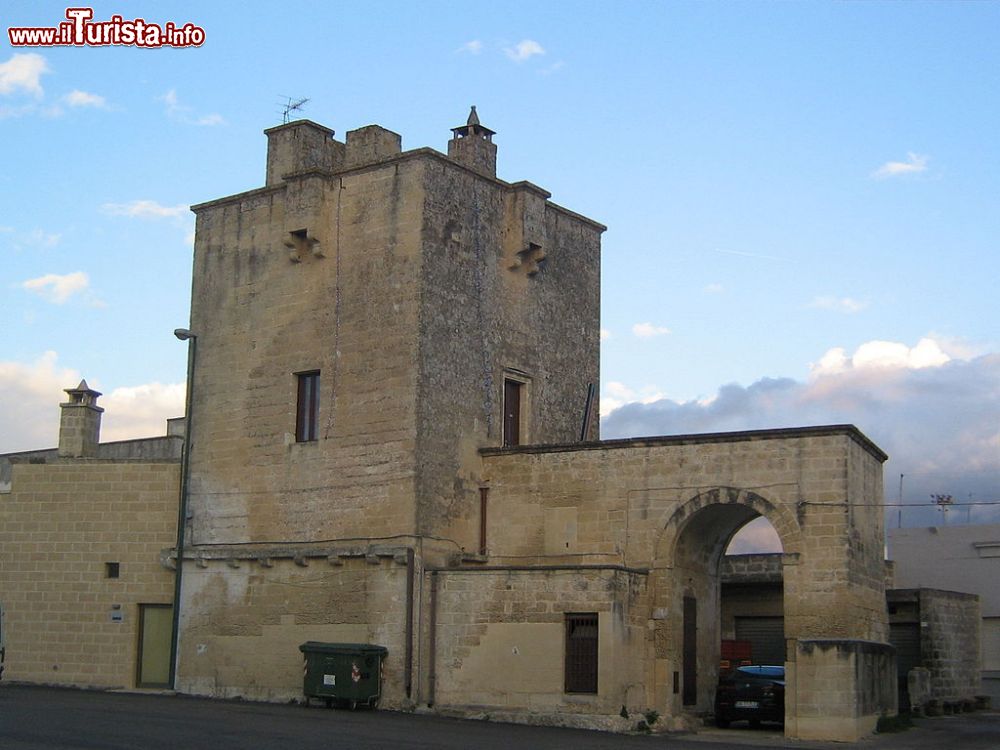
x=183 y=334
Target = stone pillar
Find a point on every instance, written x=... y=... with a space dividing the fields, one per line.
x=80 y=423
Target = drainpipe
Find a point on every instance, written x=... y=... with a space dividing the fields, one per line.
x=484 y=493
x=184 y=335
x=409 y=622
x=432 y=646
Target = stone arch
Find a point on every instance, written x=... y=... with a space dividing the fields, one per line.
x=686 y=584
x=736 y=506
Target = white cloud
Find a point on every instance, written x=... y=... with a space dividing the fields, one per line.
x=30 y=394
x=37 y=239
x=914 y=164
x=23 y=72
x=618 y=394
x=145 y=209
x=212 y=119
x=141 y=410
x=77 y=98
x=473 y=47
x=56 y=288
x=838 y=304
x=605 y=334
x=183 y=112
x=881 y=354
x=173 y=106
x=935 y=414
x=715 y=288
x=648 y=330
x=524 y=50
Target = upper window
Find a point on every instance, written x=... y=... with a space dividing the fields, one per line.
x=511 y=412
x=581 y=653
x=307 y=409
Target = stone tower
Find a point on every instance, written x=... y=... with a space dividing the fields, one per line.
x=367 y=322
x=414 y=296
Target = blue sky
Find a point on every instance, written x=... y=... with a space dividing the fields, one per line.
x=801 y=197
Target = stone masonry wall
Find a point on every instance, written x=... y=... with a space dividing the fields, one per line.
x=243 y=625
x=950 y=643
x=347 y=306
x=493 y=307
x=501 y=638
x=59 y=525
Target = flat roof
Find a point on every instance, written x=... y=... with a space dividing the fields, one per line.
x=781 y=433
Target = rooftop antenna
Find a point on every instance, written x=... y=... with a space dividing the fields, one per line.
x=292 y=106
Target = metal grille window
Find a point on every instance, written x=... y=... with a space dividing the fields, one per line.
x=307 y=409
x=581 y=653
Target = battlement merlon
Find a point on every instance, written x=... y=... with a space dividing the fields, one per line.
x=303 y=148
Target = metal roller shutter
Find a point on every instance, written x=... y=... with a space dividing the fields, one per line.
x=766 y=635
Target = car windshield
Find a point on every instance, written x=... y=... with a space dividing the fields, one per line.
x=762 y=671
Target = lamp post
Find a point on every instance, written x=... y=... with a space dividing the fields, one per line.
x=183 y=334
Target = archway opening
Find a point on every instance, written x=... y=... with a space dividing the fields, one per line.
x=702 y=608
x=751 y=598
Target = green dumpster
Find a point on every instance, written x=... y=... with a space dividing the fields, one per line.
x=348 y=673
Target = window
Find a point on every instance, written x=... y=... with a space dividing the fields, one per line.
x=511 y=413
x=581 y=653
x=307 y=409
x=112 y=569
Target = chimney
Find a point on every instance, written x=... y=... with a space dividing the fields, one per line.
x=472 y=145
x=80 y=423
x=300 y=146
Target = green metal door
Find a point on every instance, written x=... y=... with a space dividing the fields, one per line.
x=155 y=623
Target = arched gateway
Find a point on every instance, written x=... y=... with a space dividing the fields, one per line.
x=395 y=350
x=639 y=528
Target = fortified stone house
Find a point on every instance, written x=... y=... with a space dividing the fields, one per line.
x=391 y=443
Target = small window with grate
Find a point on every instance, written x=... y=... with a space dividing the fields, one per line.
x=112 y=570
x=581 y=653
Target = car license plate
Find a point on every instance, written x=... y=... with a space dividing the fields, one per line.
x=746 y=704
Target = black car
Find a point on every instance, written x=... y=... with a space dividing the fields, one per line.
x=751 y=693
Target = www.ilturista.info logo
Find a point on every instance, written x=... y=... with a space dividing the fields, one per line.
x=79 y=30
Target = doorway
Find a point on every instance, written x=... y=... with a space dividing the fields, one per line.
x=155 y=627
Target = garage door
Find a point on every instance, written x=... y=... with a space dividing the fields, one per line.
x=766 y=636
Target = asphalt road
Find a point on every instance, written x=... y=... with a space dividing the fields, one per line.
x=37 y=718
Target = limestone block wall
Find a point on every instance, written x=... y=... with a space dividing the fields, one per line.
x=836 y=689
x=500 y=638
x=242 y=626
x=615 y=499
x=59 y=525
x=317 y=273
x=949 y=643
x=510 y=288
x=671 y=504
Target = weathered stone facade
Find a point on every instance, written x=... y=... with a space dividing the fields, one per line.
x=67 y=514
x=390 y=444
x=946 y=625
